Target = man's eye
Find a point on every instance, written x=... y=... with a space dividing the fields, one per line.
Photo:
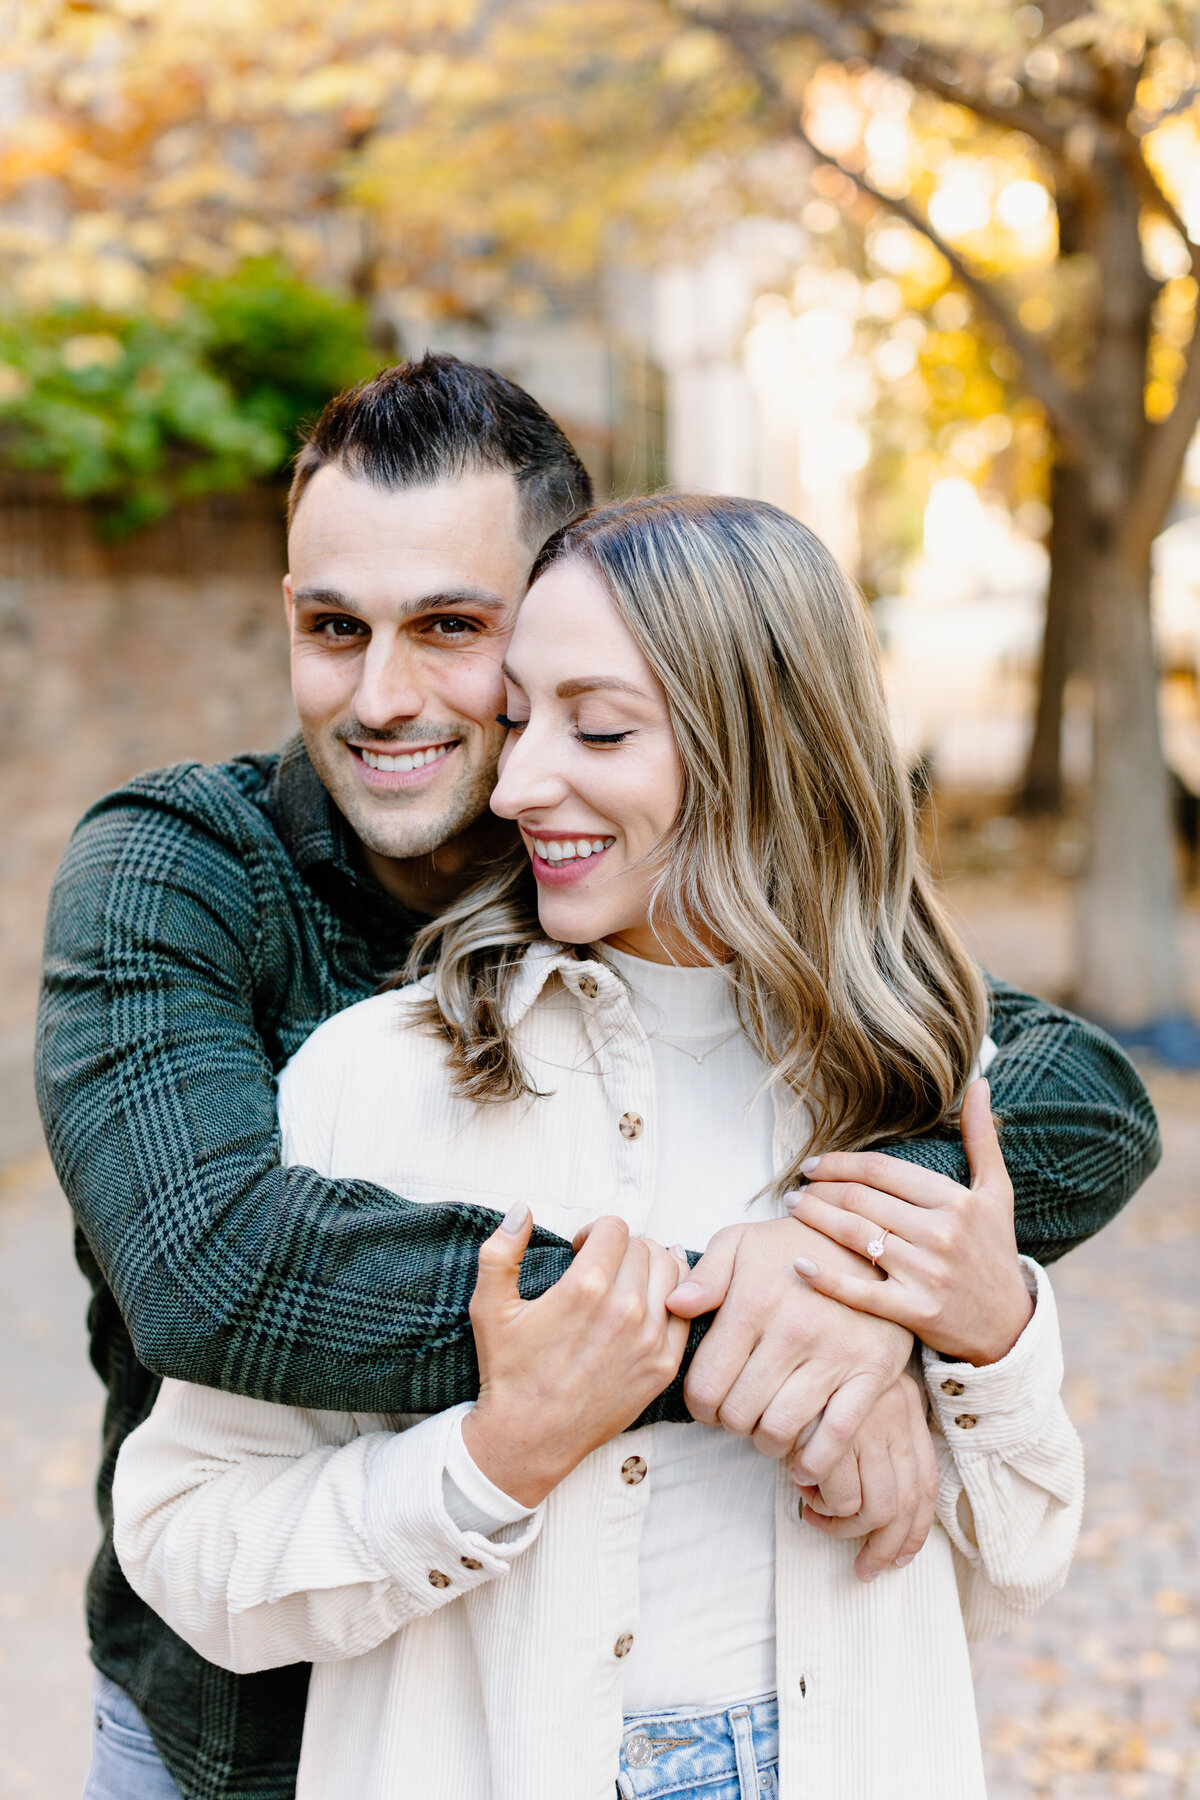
x=511 y=724
x=340 y=629
x=452 y=627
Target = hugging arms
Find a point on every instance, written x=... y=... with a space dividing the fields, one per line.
x=165 y=1020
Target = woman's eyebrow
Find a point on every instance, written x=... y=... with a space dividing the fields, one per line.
x=567 y=690
x=586 y=684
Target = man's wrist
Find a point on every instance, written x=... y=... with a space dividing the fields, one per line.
x=526 y=1473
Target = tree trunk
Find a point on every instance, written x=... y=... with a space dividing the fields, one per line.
x=1063 y=650
x=1129 y=970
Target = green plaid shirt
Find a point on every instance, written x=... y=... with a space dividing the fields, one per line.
x=203 y=923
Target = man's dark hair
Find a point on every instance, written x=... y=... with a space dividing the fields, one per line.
x=434 y=420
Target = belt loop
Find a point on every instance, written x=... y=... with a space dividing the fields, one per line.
x=743 y=1745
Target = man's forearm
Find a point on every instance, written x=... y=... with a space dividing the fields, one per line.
x=1078 y=1131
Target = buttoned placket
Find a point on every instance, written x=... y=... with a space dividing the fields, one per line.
x=623 y=1060
x=622 y=1053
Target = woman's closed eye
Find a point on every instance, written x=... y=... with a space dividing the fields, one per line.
x=585 y=737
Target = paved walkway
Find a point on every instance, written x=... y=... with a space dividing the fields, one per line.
x=1097 y=1697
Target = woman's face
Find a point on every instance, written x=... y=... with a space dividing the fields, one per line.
x=590 y=771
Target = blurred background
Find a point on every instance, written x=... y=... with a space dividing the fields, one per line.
x=924 y=274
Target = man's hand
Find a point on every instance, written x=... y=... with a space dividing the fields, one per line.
x=778 y=1355
x=562 y=1374
x=895 y=1472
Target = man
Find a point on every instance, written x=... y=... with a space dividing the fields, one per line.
x=206 y=920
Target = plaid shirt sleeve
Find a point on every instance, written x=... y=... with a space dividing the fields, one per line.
x=1077 y=1129
x=158 y=1095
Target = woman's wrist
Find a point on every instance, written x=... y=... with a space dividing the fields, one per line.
x=1004 y=1327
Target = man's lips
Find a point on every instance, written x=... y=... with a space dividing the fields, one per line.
x=400 y=767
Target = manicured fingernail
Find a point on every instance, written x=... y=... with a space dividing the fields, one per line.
x=685 y=1289
x=804 y=1265
x=902 y=1562
x=514 y=1219
x=678 y=1250
x=871 y=1576
x=809 y=1164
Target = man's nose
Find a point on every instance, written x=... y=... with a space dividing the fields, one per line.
x=529 y=775
x=387 y=686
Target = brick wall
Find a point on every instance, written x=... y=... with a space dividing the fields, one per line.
x=116 y=657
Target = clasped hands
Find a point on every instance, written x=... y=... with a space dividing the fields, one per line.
x=810 y=1375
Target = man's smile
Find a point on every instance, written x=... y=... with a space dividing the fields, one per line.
x=386 y=770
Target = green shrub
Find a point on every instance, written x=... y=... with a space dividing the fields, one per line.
x=141 y=412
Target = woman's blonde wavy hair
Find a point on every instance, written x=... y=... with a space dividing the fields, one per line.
x=794 y=843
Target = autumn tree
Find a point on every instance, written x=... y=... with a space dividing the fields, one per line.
x=487 y=148
x=583 y=118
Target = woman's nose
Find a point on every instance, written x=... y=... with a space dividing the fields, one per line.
x=528 y=776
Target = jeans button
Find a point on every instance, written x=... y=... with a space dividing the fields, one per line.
x=639 y=1751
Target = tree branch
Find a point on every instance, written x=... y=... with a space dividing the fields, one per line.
x=916 y=63
x=1166 y=446
x=1157 y=199
x=1042 y=380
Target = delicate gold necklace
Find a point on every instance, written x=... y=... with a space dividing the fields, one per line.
x=690 y=1054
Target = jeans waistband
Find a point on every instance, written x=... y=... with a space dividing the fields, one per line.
x=730 y=1752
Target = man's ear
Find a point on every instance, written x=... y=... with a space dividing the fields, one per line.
x=288 y=603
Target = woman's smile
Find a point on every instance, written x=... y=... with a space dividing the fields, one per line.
x=559 y=860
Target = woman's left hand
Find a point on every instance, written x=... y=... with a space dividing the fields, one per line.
x=949 y=1252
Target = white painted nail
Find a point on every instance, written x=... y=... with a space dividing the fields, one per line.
x=514 y=1219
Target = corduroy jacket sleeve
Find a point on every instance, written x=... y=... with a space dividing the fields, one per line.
x=170 y=942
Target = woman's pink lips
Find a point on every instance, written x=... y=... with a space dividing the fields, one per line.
x=550 y=874
x=387 y=780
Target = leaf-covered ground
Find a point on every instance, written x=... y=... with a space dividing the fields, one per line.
x=1098 y=1696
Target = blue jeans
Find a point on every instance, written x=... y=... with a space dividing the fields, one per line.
x=125 y=1764
x=731 y=1755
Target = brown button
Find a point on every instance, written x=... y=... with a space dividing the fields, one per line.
x=966 y=1421
x=437 y=1579
x=633 y=1470
x=631 y=1125
x=953 y=1388
x=624 y=1644
x=469 y=1562
x=589 y=987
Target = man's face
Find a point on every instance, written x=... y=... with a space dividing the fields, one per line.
x=400 y=605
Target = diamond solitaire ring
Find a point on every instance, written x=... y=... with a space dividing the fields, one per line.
x=875 y=1247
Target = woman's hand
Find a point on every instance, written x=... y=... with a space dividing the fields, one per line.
x=950 y=1252
x=563 y=1374
x=897 y=1475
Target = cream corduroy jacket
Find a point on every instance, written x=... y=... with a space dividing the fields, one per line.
x=461 y=1667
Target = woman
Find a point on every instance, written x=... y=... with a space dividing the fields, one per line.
x=714 y=953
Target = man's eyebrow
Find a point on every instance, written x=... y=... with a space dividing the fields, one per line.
x=465 y=596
